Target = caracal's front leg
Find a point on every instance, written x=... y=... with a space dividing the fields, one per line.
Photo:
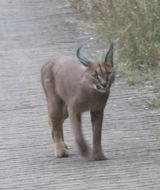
x=77 y=129
x=97 y=119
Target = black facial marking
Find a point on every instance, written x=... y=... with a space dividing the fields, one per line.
x=98 y=87
x=100 y=68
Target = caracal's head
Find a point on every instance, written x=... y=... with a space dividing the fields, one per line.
x=99 y=74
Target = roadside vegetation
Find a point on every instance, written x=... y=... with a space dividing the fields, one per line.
x=135 y=28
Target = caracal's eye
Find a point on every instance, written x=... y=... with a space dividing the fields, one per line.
x=95 y=75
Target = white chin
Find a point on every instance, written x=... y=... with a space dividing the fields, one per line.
x=100 y=90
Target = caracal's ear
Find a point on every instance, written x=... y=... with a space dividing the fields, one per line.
x=84 y=60
x=109 y=56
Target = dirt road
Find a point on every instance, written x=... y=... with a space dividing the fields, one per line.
x=31 y=31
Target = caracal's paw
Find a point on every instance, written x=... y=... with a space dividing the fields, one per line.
x=97 y=156
x=61 y=150
x=84 y=150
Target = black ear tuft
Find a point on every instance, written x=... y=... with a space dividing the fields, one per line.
x=109 y=55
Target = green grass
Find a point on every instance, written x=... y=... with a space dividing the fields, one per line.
x=135 y=28
x=153 y=104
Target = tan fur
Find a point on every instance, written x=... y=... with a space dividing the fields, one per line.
x=68 y=86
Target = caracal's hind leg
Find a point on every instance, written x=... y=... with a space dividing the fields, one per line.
x=56 y=121
x=55 y=110
x=65 y=116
